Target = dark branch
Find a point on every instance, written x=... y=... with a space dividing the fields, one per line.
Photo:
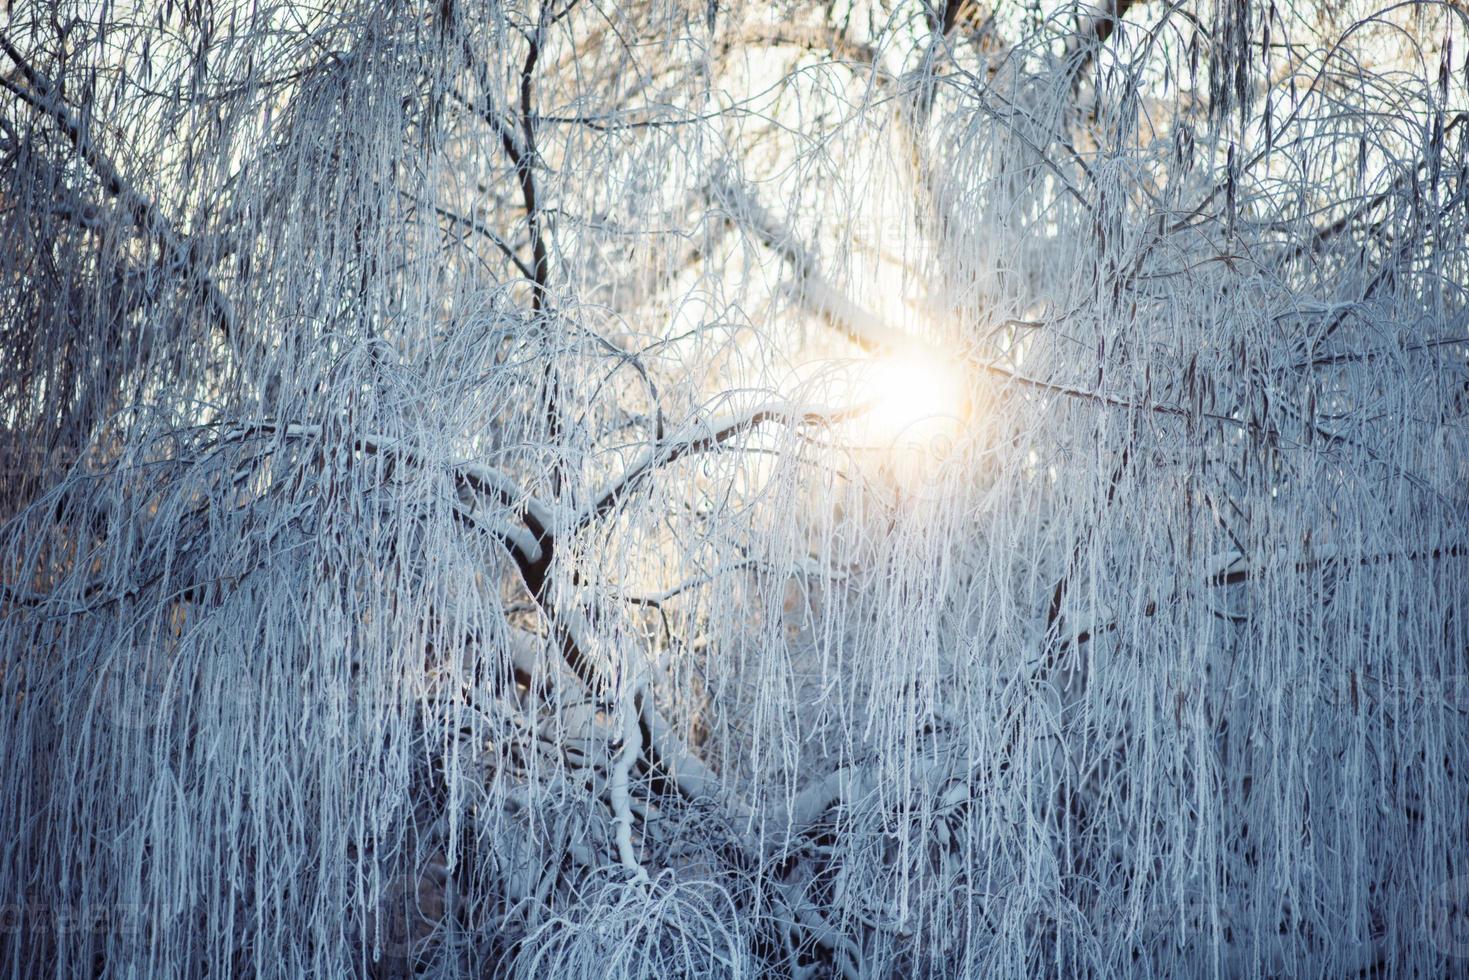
x=44 y=98
x=658 y=456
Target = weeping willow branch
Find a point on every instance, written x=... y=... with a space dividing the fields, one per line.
x=178 y=254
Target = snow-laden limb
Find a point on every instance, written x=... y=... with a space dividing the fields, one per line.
x=665 y=749
x=1236 y=569
x=520 y=540
x=695 y=780
x=497 y=485
x=841 y=785
x=811 y=286
x=848 y=958
x=629 y=749
x=807 y=568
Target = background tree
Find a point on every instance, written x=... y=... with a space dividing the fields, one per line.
x=658 y=489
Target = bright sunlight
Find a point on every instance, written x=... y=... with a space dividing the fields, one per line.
x=918 y=399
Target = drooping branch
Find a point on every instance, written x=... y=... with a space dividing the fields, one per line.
x=45 y=98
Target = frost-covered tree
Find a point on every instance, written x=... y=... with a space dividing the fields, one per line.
x=658 y=489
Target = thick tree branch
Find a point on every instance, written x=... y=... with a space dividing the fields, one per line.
x=861 y=327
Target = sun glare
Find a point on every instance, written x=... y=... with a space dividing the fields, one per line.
x=917 y=399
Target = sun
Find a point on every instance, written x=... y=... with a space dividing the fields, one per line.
x=917 y=398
